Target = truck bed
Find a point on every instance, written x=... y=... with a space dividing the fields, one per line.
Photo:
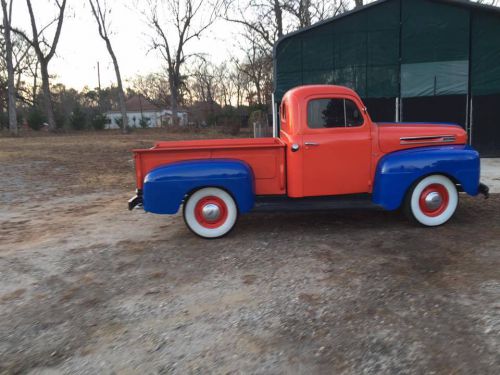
x=266 y=157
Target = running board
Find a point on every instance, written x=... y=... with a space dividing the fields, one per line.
x=343 y=202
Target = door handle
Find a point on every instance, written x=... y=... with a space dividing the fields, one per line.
x=311 y=144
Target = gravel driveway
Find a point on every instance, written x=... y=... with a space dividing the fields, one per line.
x=87 y=287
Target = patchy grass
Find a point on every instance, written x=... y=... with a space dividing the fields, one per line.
x=87 y=161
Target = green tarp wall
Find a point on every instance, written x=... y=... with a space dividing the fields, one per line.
x=397 y=48
x=485 y=54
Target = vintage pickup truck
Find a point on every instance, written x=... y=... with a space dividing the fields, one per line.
x=329 y=154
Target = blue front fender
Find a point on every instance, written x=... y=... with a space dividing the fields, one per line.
x=165 y=187
x=397 y=171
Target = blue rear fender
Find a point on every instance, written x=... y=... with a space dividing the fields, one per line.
x=396 y=172
x=166 y=187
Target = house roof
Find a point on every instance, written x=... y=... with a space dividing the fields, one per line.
x=463 y=3
x=138 y=103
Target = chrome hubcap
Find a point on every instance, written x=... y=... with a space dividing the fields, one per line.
x=211 y=212
x=433 y=200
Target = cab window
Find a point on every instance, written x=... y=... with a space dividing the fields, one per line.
x=333 y=113
x=283 y=111
x=283 y=115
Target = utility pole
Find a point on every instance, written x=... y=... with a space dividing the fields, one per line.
x=99 y=84
x=99 y=75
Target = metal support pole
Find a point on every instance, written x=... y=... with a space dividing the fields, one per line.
x=471 y=120
x=275 y=117
x=401 y=118
x=397 y=110
x=467 y=125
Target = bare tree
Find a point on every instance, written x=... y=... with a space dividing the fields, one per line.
x=190 y=19
x=100 y=12
x=34 y=70
x=489 y=2
x=302 y=10
x=269 y=20
x=307 y=12
x=257 y=66
x=154 y=87
x=264 y=18
x=240 y=82
x=206 y=86
x=41 y=44
x=226 y=90
x=265 y=21
x=7 y=19
x=24 y=62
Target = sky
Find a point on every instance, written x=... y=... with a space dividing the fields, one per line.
x=80 y=47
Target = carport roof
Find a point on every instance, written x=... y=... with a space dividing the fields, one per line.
x=463 y=3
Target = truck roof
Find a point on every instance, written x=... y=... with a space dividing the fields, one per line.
x=307 y=90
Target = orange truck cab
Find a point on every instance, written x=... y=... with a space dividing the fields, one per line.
x=329 y=154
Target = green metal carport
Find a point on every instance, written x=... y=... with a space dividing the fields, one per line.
x=410 y=60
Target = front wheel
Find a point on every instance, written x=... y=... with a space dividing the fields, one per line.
x=432 y=201
x=210 y=213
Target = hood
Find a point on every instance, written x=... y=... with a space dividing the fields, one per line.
x=400 y=136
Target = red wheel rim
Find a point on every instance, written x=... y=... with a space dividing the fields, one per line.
x=215 y=204
x=441 y=199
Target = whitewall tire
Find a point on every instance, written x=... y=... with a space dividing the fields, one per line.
x=432 y=201
x=210 y=212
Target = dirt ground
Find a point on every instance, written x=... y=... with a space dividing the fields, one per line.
x=88 y=287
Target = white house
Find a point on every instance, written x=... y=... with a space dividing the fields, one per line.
x=142 y=113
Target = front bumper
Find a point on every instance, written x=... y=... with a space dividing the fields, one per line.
x=485 y=190
x=135 y=201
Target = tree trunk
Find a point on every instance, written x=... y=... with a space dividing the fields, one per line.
x=358 y=3
x=47 y=99
x=37 y=42
x=10 y=71
x=175 y=111
x=35 y=82
x=259 y=91
x=123 y=108
x=121 y=94
x=278 y=14
x=174 y=99
x=305 y=14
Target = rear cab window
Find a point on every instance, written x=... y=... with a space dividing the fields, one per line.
x=333 y=113
x=283 y=117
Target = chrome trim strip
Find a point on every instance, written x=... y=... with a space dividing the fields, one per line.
x=428 y=139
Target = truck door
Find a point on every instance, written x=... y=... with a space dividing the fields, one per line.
x=336 y=147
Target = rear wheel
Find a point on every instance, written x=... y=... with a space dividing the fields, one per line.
x=210 y=212
x=432 y=201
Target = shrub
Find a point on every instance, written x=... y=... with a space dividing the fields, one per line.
x=4 y=120
x=230 y=120
x=20 y=119
x=59 y=118
x=35 y=118
x=98 y=121
x=144 y=122
x=78 y=119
